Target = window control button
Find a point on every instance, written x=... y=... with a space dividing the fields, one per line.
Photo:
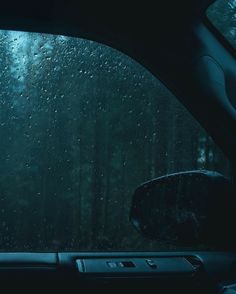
x=112 y=264
x=127 y=264
x=151 y=263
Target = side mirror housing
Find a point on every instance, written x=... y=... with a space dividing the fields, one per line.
x=186 y=208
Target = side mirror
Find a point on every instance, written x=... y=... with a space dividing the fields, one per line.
x=186 y=208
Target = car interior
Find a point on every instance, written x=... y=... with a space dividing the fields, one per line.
x=179 y=45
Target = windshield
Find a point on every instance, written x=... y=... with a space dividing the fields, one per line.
x=81 y=126
x=222 y=14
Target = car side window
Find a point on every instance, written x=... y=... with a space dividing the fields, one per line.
x=82 y=126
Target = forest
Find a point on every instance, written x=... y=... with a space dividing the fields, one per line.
x=81 y=126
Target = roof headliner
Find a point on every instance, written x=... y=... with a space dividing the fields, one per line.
x=114 y=18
